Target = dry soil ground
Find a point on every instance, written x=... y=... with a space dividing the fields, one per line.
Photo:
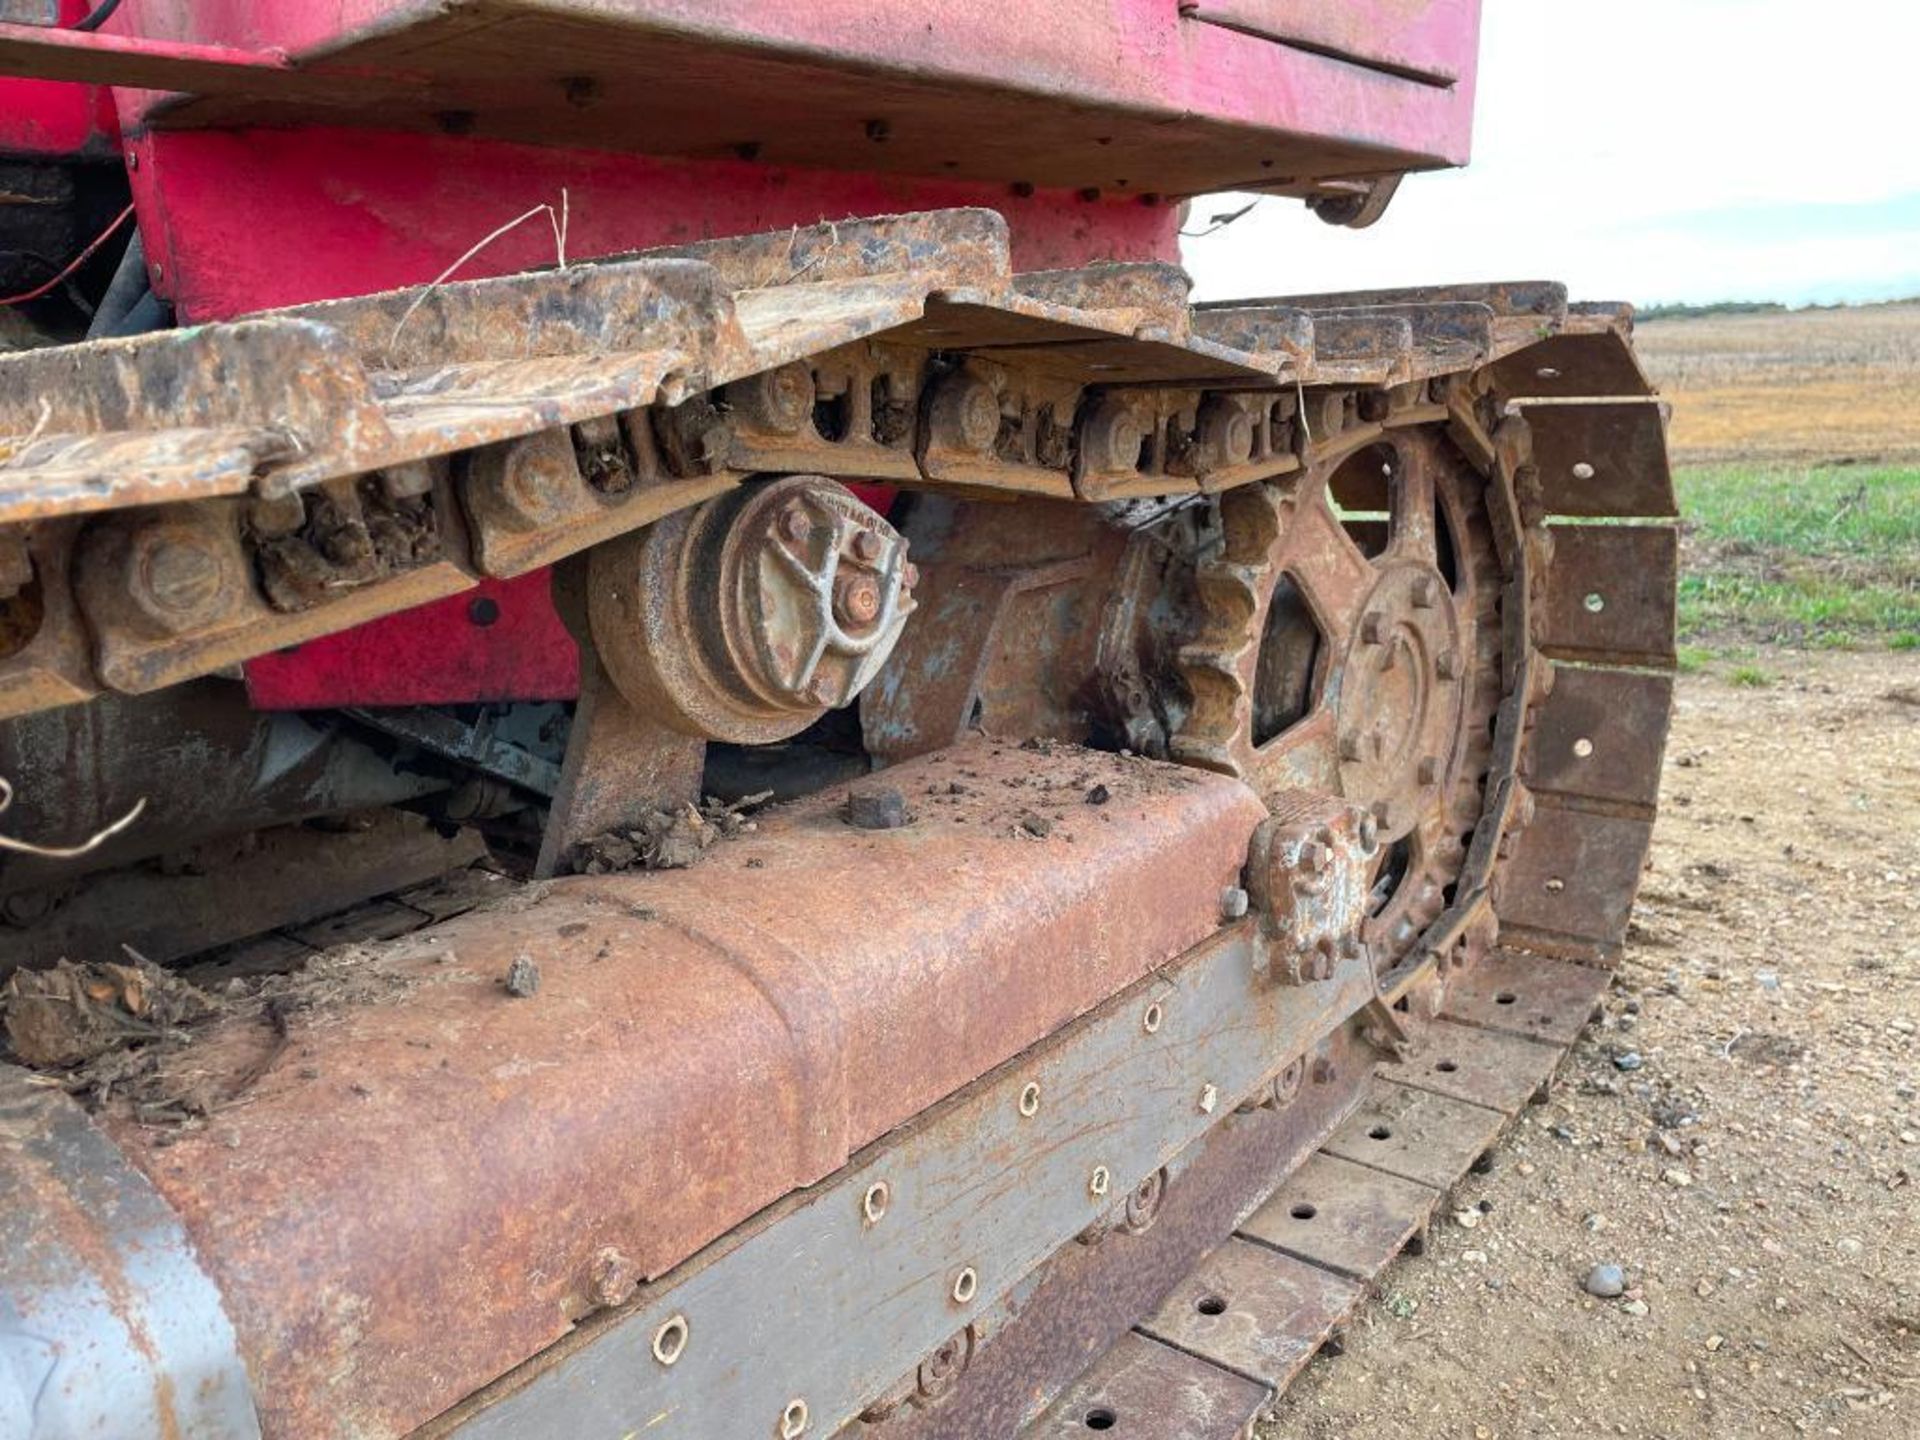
x=1741 y=1133
x=1755 y=1174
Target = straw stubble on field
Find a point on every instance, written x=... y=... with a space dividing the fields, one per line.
x=1790 y=385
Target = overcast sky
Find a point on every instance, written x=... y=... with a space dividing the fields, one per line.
x=1644 y=150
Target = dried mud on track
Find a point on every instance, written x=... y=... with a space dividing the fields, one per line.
x=1757 y=1174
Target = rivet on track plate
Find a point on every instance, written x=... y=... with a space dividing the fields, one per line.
x=1582 y=470
x=873 y=1205
x=1595 y=602
x=1030 y=1099
x=1099 y=1182
x=1582 y=748
x=793 y=1420
x=670 y=1340
x=1150 y=1019
x=965 y=1286
x=1556 y=885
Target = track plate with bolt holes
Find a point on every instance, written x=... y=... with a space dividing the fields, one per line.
x=1529 y=995
x=1254 y=1311
x=1143 y=1390
x=1499 y=1071
x=1342 y=1216
x=979 y=1192
x=1416 y=1134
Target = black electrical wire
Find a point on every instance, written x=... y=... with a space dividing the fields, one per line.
x=99 y=16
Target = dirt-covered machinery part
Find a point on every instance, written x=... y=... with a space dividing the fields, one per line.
x=1140 y=1093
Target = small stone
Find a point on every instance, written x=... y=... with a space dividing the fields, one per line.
x=1525 y=1167
x=1847 y=1245
x=1466 y=1219
x=1766 y=979
x=1677 y=1178
x=1036 y=825
x=1099 y=795
x=1714 y=1342
x=1628 y=1060
x=1606 y=1282
x=1635 y=1308
x=523 y=977
x=876 y=807
x=1669 y=1143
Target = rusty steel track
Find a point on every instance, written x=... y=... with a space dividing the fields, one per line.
x=1114 y=1133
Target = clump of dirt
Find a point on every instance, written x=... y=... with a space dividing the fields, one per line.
x=73 y=1014
x=667 y=839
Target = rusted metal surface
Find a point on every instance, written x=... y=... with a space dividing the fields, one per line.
x=1574 y=367
x=1144 y=1390
x=1610 y=594
x=109 y=1324
x=747 y=619
x=1415 y=1134
x=1494 y=1069
x=1575 y=874
x=1603 y=458
x=1253 y=1311
x=1600 y=736
x=747 y=1017
x=1526 y=994
x=1090 y=1293
x=1347 y=1218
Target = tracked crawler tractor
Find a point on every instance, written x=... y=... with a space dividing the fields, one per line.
x=788 y=798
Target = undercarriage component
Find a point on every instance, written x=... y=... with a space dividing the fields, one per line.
x=747 y=619
x=972 y=1122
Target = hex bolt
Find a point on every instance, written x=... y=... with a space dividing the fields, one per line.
x=1233 y=903
x=856 y=600
x=176 y=576
x=795 y=523
x=1373 y=628
x=612 y=1277
x=866 y=546
x=1422 y=592
x=1428 y=770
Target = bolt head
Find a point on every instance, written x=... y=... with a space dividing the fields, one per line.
x=795 y=523
x=856 y=601
x=866 y=546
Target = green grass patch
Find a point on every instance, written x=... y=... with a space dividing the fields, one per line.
x=1751 y=676
x=1827 y=557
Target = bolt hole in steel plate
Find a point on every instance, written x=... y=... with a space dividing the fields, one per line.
x=1526 y=995
x=1432 y=1138
x=1253 y=1310
x=1348 y=1218
x=1149 y=1391
x=1494 y=1068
